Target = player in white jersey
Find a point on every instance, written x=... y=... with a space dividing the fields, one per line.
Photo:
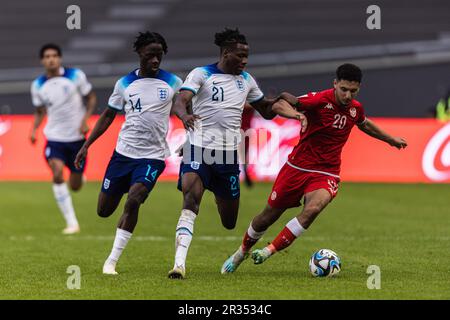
x=145 y=95
x=218 y=93
x=60 y=93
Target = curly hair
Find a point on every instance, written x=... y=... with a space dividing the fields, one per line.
x=229 y=37
x=146 y=38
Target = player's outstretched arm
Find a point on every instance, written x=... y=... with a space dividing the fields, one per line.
x=291 y=99
x=102 y=124
x=370 y=128
x=180 y=107
x=264 y=107
x=285 y=109
x=91 y=101
x=39 y=116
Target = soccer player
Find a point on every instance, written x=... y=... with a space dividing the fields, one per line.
x=218 y=93
x=145 y=95
x=247 y=116
x=59 y=93
x=312 y=169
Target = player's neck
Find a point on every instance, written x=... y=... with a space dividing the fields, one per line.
x=147 y=74
x=50 y=73
x=223 y=67
x=338 y=102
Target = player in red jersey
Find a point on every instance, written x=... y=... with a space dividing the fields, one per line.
x=312 y=169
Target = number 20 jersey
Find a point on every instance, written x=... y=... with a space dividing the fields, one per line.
x=329 y=126
x=146 y=103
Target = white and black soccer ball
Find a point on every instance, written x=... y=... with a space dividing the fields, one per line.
x=324 y=263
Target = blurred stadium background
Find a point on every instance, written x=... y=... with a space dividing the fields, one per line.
x=295 y=46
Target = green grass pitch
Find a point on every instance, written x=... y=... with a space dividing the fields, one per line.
x=403 y=229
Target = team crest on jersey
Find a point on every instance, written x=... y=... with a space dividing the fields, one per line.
x=106 y=184
x=163 y=94
x=195 y=165
x=240 y=84
x=333 y=187
x=329 y=106
x=353 y=112
x=273 y=196
x=66 y=90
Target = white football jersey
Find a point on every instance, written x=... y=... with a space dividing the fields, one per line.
x=146 y=103
x=219 y=100
x=63 y=98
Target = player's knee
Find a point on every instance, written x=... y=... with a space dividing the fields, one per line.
x=229 y=225
x=75 y=186
x=132 y=204
x=103 y=212
x=58 y=178
x=191 y=202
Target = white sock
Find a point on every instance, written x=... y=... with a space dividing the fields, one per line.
x=64 y=201
x=183 y=236
x=252 y=234
x=295 y=227
x=120 y=242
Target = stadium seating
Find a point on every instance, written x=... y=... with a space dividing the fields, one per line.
x=108 y=26
x=304 y=31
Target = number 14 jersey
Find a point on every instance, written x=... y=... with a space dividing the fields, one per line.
x=146 y=102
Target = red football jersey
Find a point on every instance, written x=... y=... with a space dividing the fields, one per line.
x=329 y=126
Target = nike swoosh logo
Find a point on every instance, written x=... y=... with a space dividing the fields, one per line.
x=132 y=95
x=216 y=83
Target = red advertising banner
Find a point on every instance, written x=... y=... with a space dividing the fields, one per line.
x=426 y=159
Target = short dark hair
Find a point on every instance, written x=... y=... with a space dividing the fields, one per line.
x=349 y=72
x=47 y=46
x=146 y=38
x=229 y=37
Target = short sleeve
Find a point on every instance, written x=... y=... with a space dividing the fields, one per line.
x=194 y=80
x=35 y=97
x=254 y=94
x=83 y=85
x=361 y=116
x=309 y=101
x=177 y=85
x=116 y=100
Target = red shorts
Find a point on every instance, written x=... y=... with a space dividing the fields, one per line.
x=291 y=184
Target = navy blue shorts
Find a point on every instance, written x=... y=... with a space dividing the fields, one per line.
x=66 y=152
x=123 y=172
x=220 y=177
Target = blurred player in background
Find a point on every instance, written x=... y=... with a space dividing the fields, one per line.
x=442 y=109
x=145 y=95
x=59 y=93
x=313 y=167
x=218 y=93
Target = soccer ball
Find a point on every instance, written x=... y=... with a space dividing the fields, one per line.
x=324 y=263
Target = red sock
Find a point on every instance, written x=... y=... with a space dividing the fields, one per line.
x=283 y=240
x=248 y=242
